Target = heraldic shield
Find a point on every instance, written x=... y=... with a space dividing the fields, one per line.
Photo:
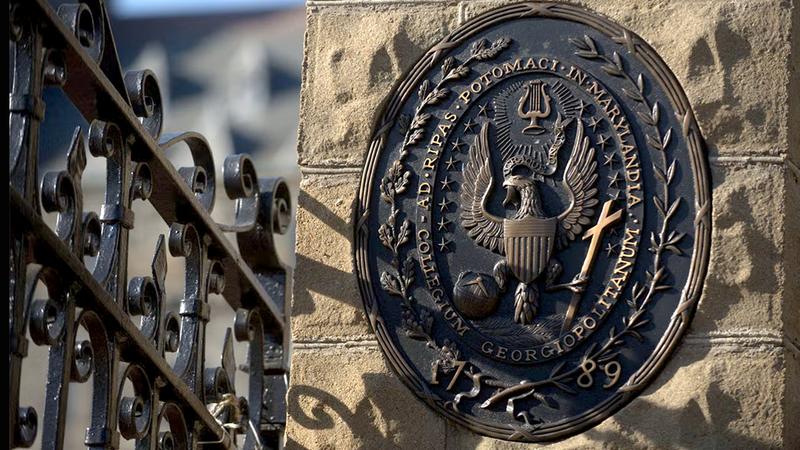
x=529 y=243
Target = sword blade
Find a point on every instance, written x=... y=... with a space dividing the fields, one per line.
x=571 y=310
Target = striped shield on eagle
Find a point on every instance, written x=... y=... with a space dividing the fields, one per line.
x=529 y=243
x=528 y=238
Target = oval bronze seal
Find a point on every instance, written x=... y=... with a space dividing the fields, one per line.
x=533 y=222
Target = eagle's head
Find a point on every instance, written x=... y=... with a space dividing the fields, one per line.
x=521 y=176
x=515 y=185
x=520 y=173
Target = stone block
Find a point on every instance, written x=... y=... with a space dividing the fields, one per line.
x=733 y=60
x=326 y=302
x=346 y=398
x=745 y=286
x=353 y=57
x=707 y=397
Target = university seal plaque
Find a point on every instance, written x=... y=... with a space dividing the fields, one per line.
x=532 y=232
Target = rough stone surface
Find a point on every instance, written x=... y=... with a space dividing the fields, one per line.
x=708 y=396
x=354 y=56
x=794 y=83
x=745 y=284
x=734 y=382
x=726 y=55
x=346 y=398
x=791 y=310
x=326 y=302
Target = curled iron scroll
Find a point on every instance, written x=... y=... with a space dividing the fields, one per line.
x=200 y=178
x=263 y=211
x=257 y=245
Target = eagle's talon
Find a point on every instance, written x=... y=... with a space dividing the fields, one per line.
x=553 y=272
x=500 y=273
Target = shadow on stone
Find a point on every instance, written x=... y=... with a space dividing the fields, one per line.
x=685 y=427
x=384 y=417
x=324 y=214
x=715 y=57
x=319 y=277
x=327 y=282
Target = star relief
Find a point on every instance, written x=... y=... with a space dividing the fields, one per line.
x=450 y=163
x=444 y=244
x=583 y=107
x=444 y=204
x=602 y=141
x=469 y=126
x=442 y=224
x=609 y=159
x=613 y=246
x=613 y=194
x=458 y=145
x=614 y=179
x=594 y=122
x=484 y=110
x=446 y=184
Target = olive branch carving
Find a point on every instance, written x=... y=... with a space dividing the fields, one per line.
x=451 y=70
x=665 y=240
x=417 y=322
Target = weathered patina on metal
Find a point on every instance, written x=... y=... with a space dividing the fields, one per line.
x=137 y=395
x=533 y=222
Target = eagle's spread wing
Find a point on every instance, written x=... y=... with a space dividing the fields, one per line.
x=482 y=226
x=580 y=176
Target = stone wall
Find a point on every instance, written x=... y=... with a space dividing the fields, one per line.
x=734 y=382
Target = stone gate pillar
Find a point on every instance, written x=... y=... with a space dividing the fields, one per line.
x=734 y=381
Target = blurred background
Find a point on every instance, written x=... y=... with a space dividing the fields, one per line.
x=228 y=69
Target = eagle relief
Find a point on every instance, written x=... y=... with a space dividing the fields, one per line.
x=532 y=230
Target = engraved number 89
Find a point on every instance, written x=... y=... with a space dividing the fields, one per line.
x=613 y=370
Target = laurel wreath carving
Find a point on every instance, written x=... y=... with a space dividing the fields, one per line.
x=417 y=321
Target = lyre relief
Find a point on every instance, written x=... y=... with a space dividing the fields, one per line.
x=533 y=98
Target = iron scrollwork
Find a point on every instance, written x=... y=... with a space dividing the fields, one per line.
x=137 y=394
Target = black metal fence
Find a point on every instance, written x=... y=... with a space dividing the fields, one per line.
x=137 y=395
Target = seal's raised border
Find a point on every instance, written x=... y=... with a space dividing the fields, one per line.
x=690 y=294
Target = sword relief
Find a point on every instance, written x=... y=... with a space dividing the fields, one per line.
x=595 y=233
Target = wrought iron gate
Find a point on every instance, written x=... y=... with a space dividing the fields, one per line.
x=173 y=406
